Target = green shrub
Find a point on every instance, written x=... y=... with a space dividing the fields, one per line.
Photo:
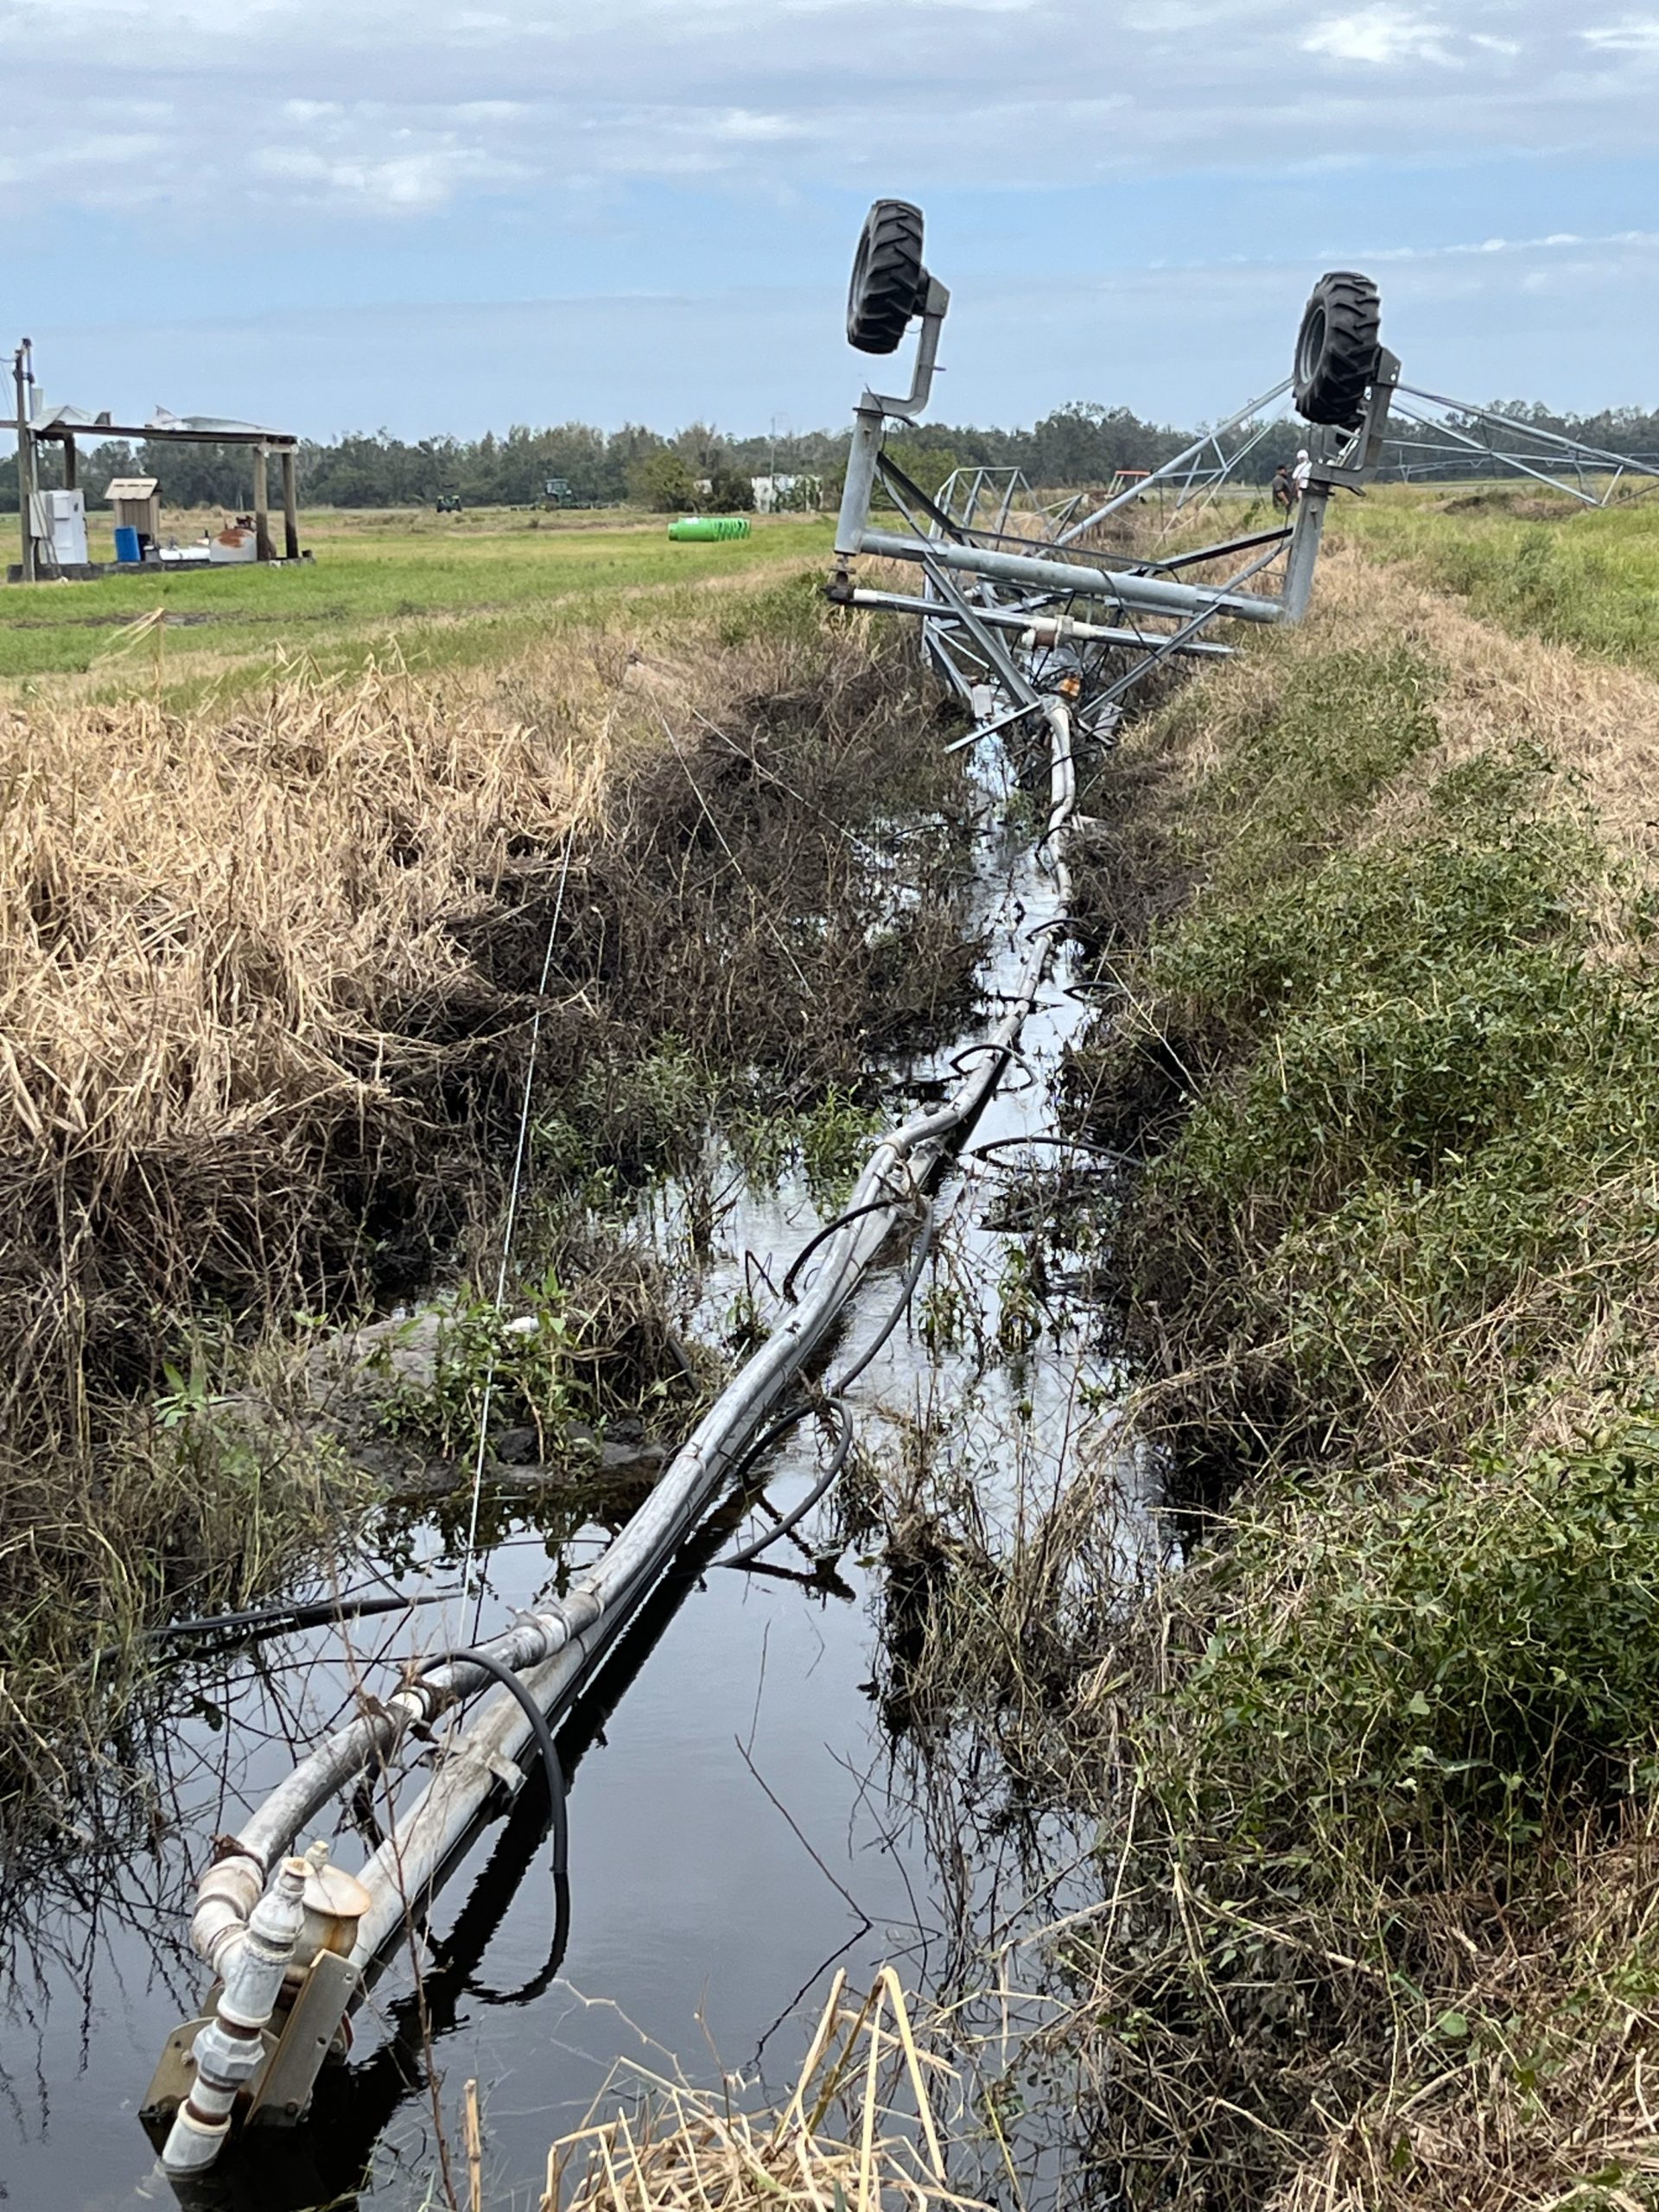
x=1434 y=1674
x=1416 y=1103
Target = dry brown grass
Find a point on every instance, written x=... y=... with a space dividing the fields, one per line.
x=1555 y=2106
x=268 y=974
x=842 y=2142
x=227 y=960
x=245 y=959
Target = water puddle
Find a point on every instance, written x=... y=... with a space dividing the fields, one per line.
x=743 y=1818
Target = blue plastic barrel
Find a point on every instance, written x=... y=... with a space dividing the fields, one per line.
x=126 y=544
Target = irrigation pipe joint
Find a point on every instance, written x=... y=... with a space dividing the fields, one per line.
x=251 y=1961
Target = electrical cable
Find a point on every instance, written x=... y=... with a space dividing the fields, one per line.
x=824 y=1235
x=300 y=1613
x=834 y=1397
x=558 y=1814
x=900 y=1308
x=747 y=1554
x=499 y=1672
x=1070 y=1144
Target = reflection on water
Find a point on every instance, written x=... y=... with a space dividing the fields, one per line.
x=743 y=1819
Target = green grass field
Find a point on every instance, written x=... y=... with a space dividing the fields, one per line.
x=448 y=591
x=1529 y=559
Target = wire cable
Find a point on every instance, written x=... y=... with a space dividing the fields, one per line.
x=509 y=1226
x=833 y=1398
x=745 y=1553
x=499 y=1671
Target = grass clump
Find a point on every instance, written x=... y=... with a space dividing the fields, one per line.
x=1471 y=1659
x=1376 y=1770
x=1401 y=1107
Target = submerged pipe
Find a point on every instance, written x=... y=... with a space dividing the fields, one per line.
x=405 y=1870
x=251 y=1964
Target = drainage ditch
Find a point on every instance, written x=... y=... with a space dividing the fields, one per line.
x=747 y=1809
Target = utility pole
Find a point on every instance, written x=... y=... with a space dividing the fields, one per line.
x=23 y=376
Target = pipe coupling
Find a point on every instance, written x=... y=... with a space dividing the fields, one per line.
x=228 y=2052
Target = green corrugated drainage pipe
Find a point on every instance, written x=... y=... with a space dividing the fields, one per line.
x=701 y=528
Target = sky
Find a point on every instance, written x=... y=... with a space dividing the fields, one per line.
x=443 y=216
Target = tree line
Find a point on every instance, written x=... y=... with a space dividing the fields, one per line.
x=1081 y=443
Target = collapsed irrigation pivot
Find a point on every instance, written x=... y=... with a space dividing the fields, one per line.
x=1038 y=641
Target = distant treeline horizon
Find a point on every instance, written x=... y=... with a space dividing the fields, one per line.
x=1079 y=444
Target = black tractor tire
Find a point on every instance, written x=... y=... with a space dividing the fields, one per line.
x=1337 y=348
x=889 y=282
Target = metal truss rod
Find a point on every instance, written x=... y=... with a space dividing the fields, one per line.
x=1175 y=464
x=1143 y=595
x=1178 y=641
x=1014 y=680
x=1527 y=430
x=1211 y=552
x=1225 y=464
x=1014 y=618
x=1474 y=445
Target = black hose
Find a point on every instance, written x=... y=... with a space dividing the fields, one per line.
x=1006 y=1052
x=1066 y=1144
x=768 y=1437
x=300 y=1613
x=548 y=1973
x=767 y=1537
x=901 y=1305
x=747 y=1552
x=499 y=1671
x=829 y=1229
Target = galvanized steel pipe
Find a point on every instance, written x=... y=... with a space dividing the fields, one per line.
x=1045 y=629
x=1151 y=594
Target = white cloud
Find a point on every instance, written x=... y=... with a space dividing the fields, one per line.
x=1545 y=323
x=416 y=102
x=396 y=184
x=1553 y=242
x=1637 y=35
x=1378 y=34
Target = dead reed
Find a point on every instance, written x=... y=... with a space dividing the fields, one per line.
x=842 y=2142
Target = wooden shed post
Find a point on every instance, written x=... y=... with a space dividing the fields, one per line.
x=261 y=504
x=290 y=506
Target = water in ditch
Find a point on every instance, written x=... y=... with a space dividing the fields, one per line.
x=743 y=1818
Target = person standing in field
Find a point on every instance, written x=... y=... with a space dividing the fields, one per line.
x=1284 y=492
x=1300 y=475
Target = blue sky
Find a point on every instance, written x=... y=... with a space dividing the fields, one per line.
x=437 y=216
